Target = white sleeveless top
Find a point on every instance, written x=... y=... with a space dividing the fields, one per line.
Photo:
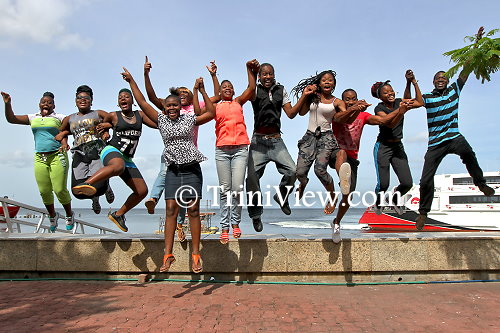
x=321 y=115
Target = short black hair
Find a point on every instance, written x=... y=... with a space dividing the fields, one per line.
x=86 y=89
x=439 y=72
x=266 y=64
x=48 y=94
x=347 y=90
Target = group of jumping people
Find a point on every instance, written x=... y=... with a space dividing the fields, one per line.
x=332 y=138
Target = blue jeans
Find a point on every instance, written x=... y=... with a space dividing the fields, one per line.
x=262 y=151
x=159 y=186
x=231 y=162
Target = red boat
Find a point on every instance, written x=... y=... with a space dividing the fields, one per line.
x=12 y=212
x=458 y=205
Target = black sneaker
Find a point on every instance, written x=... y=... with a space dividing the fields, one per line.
x=420 y=221
x=96 y=206
x=488 y=191
x=110 y=196
x=118 y=220
x=257 y=224
x=285 y=208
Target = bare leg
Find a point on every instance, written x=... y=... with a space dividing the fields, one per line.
x=67 y=209
x=170 y=223
x=114 y=168
x=51 y=210
x=194 y=221
x=140 y=191
x=330 y=206
x=343 y=208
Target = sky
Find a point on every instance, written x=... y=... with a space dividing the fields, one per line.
x=57 y=45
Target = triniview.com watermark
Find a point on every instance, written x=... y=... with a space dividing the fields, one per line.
x=186 y=196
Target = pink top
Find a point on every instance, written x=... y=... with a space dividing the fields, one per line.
x=189 y=109
x=349 y=135
x=230 y=128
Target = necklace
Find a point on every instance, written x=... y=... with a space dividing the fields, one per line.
x=128 y=117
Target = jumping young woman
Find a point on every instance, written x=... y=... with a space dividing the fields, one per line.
x=117 y=155
x=389 y=149
x=318 y=144
x=186 y=97
x=231 y=152
x=183 y=164
x=87 y=146
x=51 y=162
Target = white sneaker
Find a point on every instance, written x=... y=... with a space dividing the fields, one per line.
x=336 y=238
x=345 y=178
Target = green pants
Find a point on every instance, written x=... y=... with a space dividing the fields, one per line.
x=51 y=174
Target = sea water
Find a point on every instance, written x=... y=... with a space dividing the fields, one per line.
x=301 y=221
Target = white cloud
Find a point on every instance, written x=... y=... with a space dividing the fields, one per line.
x=419 y=137
x=17 y=159
x=39 y=21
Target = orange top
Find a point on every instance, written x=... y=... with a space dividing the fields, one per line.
x=230 y=128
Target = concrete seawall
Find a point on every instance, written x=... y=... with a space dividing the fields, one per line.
x=391 y=257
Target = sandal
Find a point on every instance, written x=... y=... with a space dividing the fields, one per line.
x=236 y=231
x=196 y=262
x=224 y=236
x=181 y=234
x=167 y=263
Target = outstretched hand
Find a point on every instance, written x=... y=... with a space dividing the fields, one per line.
x=213 y=68
x=361 y=105
x=147 y=66
x=126 y=75
x=6 y=97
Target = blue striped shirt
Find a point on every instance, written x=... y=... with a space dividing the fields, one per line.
x=442 y=113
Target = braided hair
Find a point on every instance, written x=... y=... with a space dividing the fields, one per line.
x=315 y=79
x=377 y=87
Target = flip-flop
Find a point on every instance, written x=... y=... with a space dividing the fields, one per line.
x=196 y=261
x=236 y=232
x=224 y=236
x=166 y=263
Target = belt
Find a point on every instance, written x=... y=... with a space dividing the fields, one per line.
x=269 y=136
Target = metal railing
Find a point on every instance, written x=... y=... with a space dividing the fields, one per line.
x=14 y=224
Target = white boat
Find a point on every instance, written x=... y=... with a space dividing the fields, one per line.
x=458 y=205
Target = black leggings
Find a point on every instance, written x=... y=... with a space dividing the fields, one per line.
x=391 y=154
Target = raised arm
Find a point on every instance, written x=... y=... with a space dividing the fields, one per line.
x=149 y=87
x=405 y=105
x=209 y=113
x=410 y=79
x=9 y=113
x=302 y=105
x=252 y=69
x=355 y=109
x=148 y=122
x=464 y=74
x=213 y=73
x=139 y=97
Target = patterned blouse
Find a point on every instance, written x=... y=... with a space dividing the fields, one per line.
x=178 y=139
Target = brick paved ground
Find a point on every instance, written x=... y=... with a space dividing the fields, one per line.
x=59 y=306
